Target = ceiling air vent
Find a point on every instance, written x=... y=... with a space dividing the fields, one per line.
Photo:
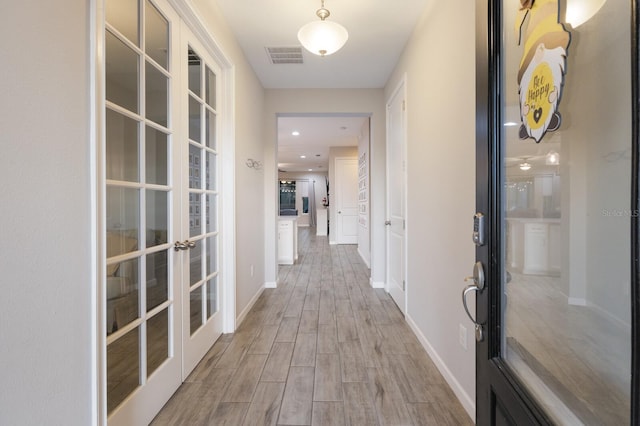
x=285 y=55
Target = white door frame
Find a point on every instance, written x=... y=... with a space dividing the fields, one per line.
x=400 y=90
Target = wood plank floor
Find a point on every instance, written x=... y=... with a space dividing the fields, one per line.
x=324 y=348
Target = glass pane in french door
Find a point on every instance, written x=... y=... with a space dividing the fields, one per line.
x=138 y=196
x=203 y=194
x=566 y=206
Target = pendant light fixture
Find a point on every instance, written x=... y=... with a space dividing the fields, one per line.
x=323 y=37
x=525 y=166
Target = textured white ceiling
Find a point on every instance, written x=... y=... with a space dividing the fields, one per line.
x=378 y=32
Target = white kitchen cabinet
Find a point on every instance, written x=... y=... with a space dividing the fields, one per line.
x=287 y=240
x=322 y=225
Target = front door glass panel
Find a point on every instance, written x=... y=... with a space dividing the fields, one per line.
x=566 y=207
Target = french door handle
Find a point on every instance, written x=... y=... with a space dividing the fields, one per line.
x=186 y=245
x=180 y=246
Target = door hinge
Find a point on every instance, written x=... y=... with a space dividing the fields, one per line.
x=404 y=105
x=404 y=224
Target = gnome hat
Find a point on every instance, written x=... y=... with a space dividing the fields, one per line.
x=543 y=28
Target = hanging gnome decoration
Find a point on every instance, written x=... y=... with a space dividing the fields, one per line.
x=542 y=67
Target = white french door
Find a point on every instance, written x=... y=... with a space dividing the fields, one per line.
x=202 y=320
x=141 y=305
x=161 y=294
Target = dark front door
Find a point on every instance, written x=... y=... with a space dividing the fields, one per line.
x=557 y=187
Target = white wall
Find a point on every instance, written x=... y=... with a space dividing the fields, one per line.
x=440 y=103
x=47 y=327
x=326 y=101
x=250 y=140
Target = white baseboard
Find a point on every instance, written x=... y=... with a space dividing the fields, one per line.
x=364 y=259
x=376 y=284
x=608 y=315
x=271 y=284
x=575 y=301
x=247 y=308
x=466 y=401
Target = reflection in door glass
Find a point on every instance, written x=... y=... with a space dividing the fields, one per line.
x=566 y=219
x=157 y=96
x=195 y=72
x=123 y=368
x=195 y=311
x=157 y=217
x=156 y=153
x=157 y=340
x=157 y=279
x=123 y=16
x=156 y=35
x=122 y=69
x=195 y=263
x=210 y=82
x=212 y=296
x=195 y=167
x=122 y=147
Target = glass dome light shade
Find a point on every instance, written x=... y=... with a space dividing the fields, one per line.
x=323 y=37
x=580 y=11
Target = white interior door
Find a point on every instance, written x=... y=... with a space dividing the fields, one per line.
x=346 y=200
x=142 y=308
x=396 y=199
x=202 y=314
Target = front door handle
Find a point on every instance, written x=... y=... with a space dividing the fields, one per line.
x=477 y=286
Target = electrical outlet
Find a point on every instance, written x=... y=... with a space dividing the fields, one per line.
x=462 y=336
x=251 y=271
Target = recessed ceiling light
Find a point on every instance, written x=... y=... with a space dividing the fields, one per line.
x=303 y=156
x=310 y=170
x=295 y=133
x=510 y=124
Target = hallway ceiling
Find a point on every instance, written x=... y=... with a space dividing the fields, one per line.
x=317 y=134
x=378 y=32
